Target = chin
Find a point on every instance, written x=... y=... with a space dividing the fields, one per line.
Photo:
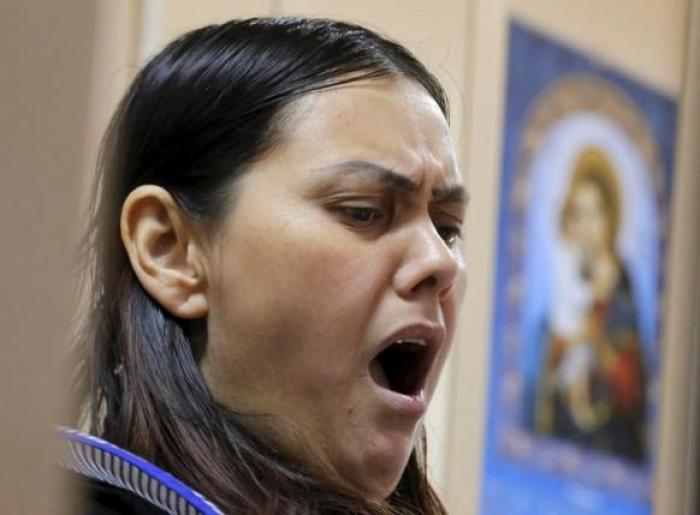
x=380 y=474
x=380 y=489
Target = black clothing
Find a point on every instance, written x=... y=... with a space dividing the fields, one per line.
x=91 y=497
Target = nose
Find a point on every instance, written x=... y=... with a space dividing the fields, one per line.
x=429 y=265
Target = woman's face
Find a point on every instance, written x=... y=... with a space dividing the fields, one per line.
x=588 y=221
x=341 y=246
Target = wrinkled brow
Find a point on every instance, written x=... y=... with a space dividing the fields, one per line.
x=450 y=194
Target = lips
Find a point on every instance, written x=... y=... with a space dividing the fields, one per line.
x=402 y=363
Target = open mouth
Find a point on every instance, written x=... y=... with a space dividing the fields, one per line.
x=402 y=366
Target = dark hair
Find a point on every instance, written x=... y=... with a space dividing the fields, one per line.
x=193 y=121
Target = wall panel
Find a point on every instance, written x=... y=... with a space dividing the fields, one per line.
x=46 y=52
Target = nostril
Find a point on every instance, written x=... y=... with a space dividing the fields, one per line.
x=429 y=282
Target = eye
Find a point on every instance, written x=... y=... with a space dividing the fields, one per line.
x=362 y=215
x=449 y=234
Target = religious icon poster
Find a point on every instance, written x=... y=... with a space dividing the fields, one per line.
x=585 y=190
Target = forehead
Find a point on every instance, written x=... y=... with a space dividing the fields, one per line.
x=390 y=121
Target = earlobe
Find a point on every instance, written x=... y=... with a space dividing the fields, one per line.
x=164 y=251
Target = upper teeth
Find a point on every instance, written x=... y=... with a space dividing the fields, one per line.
x=414 y=341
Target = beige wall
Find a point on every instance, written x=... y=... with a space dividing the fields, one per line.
x=45 y=51
x=464 y=42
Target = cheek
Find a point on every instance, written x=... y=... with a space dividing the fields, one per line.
x=316 y=278
x=295 y=305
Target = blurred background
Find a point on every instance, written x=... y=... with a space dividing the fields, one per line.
x=515 y=72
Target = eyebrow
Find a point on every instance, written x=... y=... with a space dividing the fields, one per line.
x=393 y=179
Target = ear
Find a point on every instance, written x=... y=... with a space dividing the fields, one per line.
x=164 y=251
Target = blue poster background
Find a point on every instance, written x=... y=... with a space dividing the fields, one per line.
x=512 y=487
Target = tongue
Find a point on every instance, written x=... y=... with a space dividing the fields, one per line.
x=376 y=371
